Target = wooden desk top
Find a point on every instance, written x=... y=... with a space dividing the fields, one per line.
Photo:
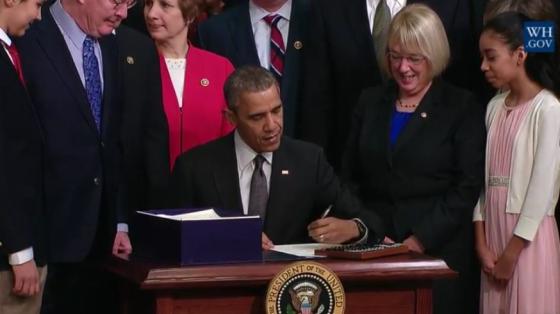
x=148 y=276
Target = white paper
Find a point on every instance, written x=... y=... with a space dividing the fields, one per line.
x=205 y=214
x=198 y=215
x=302 y=249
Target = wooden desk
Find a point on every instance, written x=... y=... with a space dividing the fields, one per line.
x=391 y=285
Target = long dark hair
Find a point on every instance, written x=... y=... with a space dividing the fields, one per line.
x=535 y=9
x=542 y=68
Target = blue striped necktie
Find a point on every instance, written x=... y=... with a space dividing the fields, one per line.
x=93 y=80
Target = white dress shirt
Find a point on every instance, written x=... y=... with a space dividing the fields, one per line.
x=74 y=38
x=394 y=6
x=261 y=29
x=4 y=38
x=246 y=166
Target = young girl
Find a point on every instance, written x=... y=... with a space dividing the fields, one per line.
x=516 y=234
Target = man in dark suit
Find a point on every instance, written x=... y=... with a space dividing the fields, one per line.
x=255 y=170
x=228 y=4
x=144 y=126
x=242 y=35
x=22 y=257
x=135 y=18
x=340 y=62
x=70 y=63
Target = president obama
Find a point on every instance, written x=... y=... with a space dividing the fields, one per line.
x=256 y=171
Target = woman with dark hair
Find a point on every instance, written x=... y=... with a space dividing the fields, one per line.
x=515 y=229
x=535 y=9
x=191 y=79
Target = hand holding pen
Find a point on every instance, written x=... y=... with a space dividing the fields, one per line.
x=319 y=228
x=326 y=212
x=328 y=229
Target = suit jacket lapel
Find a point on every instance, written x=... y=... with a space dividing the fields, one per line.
x=279 y=184
x=55 y=48
x=357 y=17
x=419 y=118
x=292 y=65
x=108 y=46
x=226 y=177
x=377 y=121
x=13 y=75
x=7 y=62
x=242 y=36
x=383 y=124
x=295 y=33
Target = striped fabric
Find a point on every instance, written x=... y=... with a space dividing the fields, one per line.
x=277 y=48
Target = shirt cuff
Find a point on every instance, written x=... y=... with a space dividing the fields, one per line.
x=477 y=215
x=526 y=228
x=364 y=238
x=122 y=227
x=21 y=257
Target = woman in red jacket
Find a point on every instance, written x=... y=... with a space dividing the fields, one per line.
x=191 y=79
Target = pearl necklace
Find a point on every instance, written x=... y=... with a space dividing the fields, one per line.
x=409 y=106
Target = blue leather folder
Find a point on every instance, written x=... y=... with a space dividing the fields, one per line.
x=214 y=241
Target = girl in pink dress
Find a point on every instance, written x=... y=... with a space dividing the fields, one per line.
x=516 y=233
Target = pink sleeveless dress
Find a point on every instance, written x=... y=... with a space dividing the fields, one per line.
x=535 y=285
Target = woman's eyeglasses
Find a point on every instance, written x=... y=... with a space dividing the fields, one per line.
x=397 y=58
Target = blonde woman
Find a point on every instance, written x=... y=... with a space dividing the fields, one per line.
x=416 y=151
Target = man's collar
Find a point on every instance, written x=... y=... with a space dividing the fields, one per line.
x=5 y=38
x=257 y=13
x=246 y=154
x=67 y=24
x=401 y=3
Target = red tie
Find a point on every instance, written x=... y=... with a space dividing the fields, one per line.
x=277 y=48
x=16 y=61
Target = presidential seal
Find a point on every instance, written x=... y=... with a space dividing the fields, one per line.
x=305 y=288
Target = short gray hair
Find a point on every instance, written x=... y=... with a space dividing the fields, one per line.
x=248 y=78
x=417 y=28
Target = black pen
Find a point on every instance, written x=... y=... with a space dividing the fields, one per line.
x=326 y=212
